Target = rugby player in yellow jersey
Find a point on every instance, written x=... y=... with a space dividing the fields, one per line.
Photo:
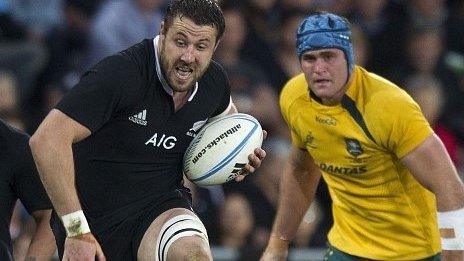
x=395 y=191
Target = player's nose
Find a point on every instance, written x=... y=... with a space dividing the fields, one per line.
x=188 y=54
x=319 y=66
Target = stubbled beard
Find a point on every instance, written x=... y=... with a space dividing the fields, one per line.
x=164 y=67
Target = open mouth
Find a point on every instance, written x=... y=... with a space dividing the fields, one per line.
x=322 y=81
x=183 y=72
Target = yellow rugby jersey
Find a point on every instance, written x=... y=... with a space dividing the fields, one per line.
x=380 y=211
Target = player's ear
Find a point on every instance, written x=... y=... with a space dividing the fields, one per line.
x=217 y=44
x=162 y=28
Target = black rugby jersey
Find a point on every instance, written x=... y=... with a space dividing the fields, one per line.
x=18 y=179
x=134 y=154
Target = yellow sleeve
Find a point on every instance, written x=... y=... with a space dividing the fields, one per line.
x=287 y=98
x=408 y=128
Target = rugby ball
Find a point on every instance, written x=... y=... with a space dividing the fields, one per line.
x=220 y=150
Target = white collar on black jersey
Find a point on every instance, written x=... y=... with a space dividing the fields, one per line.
x=163 y=81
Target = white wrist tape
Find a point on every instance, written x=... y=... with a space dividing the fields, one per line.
x=75 y=224
x=453 y=220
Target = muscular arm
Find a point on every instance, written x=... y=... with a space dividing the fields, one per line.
x=51 y=147
x=43 y=245
x=431 y=165
x=298 y=186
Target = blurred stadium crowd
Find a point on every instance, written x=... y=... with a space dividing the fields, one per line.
x=45 y=45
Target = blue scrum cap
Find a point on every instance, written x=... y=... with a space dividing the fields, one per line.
x=325 y=30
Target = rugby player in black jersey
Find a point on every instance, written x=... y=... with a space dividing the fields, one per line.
x=19 y=180
x=110 y=154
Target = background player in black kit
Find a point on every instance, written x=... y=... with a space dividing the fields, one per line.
x=112 y=148
x=19 y=180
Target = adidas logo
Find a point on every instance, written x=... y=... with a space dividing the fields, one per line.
x=238 y=170
x=139 y=118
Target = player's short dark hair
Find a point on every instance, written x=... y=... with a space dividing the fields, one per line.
x=202 y=12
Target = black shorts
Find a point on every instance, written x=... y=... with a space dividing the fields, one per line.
x=122 y=241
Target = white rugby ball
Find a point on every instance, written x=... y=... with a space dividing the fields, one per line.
x=220 y=150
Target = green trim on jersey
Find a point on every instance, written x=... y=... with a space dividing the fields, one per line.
x=350 y=106
x=334 y=254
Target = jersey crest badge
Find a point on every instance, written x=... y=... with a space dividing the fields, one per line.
x=309 y=141
x=139 y=118
x=192 y=132
x=353 y=146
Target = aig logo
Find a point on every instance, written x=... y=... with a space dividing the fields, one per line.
x=167 y=142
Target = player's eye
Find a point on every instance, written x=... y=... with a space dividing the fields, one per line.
x=309 y=58
x=329 y=57
x=202 y=47
x=180 y=43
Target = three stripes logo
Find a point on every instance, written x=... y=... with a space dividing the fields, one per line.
x=139 y=118
x=238 y=170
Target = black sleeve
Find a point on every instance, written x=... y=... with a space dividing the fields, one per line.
x=102 y=92
x=222 y=80
x=28 y=186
